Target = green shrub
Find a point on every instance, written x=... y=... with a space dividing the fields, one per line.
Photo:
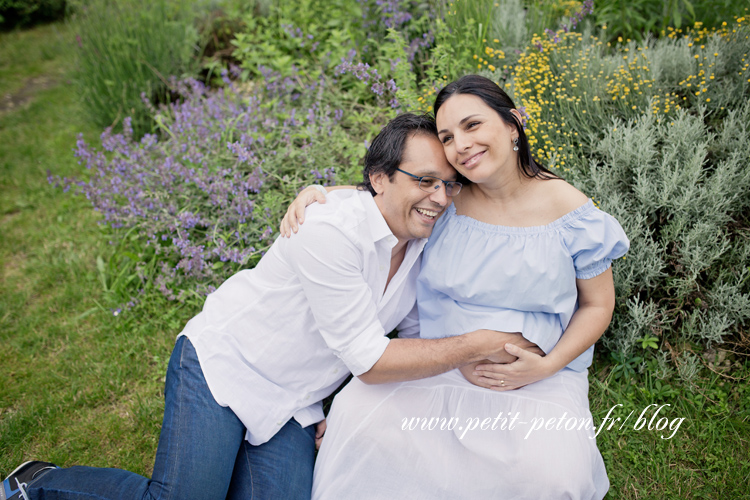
x=308 y=35
x=683 y=197
x=636 y=19
x=23 y=13
x=128 y=48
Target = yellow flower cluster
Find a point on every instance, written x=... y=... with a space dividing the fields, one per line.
x=548 y=82
x=700 y=82
x=490 y=53
x=570 y=80
x=569 y=7
x=428 y=96
x=532 y=78
x=632 y=82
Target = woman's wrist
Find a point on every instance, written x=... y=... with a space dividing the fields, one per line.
x=553 y=363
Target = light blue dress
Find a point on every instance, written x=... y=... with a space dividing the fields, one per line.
x=513 y=279
x=443 y=437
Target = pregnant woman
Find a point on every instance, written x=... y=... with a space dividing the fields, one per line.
x=520 y=250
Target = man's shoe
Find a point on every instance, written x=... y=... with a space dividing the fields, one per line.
x=14 y=486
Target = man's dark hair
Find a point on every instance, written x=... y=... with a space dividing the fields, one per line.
x=496 y=98
x=387 y=149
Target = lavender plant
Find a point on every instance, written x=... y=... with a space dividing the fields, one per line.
x=413 y=20
x=204 y=194
x=390 y=84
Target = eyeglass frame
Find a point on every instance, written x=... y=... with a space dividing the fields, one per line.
x=444 y=183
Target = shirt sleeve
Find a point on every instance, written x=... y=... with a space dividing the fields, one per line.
x=409 y=326
x=330 y=268
x=594 y=241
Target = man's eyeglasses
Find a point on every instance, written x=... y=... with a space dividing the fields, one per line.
x=432 y=184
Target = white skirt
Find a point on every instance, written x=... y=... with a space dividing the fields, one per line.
x=444 y=438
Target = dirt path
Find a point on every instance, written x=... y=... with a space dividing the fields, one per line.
x=31 y=87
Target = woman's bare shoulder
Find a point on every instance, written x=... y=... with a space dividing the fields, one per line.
x=562 y=198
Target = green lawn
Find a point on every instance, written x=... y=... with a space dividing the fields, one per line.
x=79 y=385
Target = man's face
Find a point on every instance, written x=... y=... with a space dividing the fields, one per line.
x=409 y=211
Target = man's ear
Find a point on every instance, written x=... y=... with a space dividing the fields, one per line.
x=378 y=179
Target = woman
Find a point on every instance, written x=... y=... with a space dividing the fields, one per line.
x=519 y=250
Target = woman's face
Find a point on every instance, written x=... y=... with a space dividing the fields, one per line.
x=476 y=141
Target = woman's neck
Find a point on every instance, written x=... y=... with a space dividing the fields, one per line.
x=504 y=189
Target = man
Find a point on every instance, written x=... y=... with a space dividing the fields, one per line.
x=247 y=375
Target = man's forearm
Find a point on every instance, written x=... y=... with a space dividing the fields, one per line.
x=410 y=359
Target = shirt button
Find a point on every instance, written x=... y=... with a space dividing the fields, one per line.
x=279 y=422
x=336 y=370
x=307 y=397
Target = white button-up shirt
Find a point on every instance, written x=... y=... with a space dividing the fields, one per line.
x=275 y=340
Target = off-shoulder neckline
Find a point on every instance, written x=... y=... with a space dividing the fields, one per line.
x=552 y=226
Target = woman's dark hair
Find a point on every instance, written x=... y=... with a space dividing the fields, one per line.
x=496 y=98
x=387 y=149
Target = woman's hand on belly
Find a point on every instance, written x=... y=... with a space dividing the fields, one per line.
x=530 y=367
x=489 y=378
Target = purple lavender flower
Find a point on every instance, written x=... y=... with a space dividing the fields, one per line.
x=189 y=194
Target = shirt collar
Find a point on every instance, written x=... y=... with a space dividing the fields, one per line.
x=379 y=229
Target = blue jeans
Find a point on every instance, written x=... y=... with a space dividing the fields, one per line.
x=202 y=453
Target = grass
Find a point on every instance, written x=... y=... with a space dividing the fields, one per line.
x=33 y=53
x=709 y=453
x=80 y=385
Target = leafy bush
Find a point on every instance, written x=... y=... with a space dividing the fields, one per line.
x=368 y=44
x=22 y=13
x=130 y=47
x=307 y=36
x=683 y=195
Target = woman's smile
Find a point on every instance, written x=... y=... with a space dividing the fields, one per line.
x=473 y=160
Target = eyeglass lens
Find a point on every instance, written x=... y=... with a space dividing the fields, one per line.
x=431 y=184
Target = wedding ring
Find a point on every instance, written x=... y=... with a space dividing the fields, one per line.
x=502 y=383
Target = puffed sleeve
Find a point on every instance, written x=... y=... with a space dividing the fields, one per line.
x=594 y=240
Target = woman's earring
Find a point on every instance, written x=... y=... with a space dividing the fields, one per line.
x=515 y=144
